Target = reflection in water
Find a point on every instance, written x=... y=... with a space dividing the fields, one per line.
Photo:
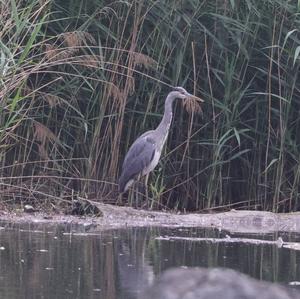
x=52 y=263
x=134 y=268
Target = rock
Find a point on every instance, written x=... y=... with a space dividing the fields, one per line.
x=82 y=207
x=29 y=209
x=200 y=283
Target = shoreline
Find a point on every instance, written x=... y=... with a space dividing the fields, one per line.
x=115 y=217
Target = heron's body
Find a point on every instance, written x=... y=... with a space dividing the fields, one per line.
x=145 y=152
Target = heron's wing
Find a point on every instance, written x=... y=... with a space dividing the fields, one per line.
x=142 y=149
x=138 y=158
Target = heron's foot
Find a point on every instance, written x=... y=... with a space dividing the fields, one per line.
x=143 y=195
x=120 y=199
x=138 y=195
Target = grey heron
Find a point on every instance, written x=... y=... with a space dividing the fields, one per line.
x=144 y=153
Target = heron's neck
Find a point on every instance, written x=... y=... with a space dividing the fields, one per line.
x=165 y=123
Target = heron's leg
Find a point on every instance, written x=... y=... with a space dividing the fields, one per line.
x=146 y=188
x=119 y=199
x=137 y=191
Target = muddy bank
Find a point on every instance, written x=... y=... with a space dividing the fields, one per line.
x=122 y=217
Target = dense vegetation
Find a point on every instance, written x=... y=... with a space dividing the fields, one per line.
x=80 y=80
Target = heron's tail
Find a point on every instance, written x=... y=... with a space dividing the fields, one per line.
x=124 y=183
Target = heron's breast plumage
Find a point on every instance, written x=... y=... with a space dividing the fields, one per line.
x=152 y=163
x=158 y=145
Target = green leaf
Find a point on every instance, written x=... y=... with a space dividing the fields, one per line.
x=16 y=99
x=237 y=136
x=31 y=41
x=297 y=51
x=238 y=154
x=14 y=11
x=272 y=94
x=270 y=164
x=288 y=35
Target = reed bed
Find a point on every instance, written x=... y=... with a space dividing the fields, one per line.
x=80 y=80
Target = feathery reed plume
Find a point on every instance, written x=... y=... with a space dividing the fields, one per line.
x=43 y=134
x=114 y=92
x=76 y=39
x=144 y=60
x=51 y=99
x=192 y=106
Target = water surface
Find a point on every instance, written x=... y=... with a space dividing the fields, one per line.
x=40 y=261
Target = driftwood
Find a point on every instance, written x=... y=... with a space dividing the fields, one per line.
x=279 y=242
x=121 y=217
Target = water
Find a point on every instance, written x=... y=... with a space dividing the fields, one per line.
x=49 y=262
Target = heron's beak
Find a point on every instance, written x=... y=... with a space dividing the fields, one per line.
x=192 y=97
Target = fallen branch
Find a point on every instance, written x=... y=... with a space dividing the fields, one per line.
x=279 y=242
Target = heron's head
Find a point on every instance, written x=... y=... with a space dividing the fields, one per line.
x=181 y=93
